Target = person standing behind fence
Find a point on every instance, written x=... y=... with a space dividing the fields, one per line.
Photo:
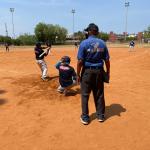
x=131 y=45
x=91 y=56
x=76 y=45
x=7 y=47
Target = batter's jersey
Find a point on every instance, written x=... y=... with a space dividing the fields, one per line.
x=38 y=52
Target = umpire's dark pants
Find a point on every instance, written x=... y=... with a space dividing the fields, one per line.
x=92 y=80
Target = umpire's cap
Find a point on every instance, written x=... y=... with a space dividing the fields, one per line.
x=92 y=27
x=65 y=59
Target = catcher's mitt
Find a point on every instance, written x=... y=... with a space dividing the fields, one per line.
x=105 y=77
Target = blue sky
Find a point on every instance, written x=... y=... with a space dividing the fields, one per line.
x=109 y=15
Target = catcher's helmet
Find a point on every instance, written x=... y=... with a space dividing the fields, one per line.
x=66 y=59
x=38 y=44
x=92 y=27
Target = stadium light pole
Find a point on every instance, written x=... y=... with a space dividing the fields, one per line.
x=127 y=4
x=73 y=12
x=6 y=29
x=12 y=12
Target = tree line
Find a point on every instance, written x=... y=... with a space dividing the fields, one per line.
x=55 y=34
x=42 y=33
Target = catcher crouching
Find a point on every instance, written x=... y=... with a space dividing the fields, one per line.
x=67 y=75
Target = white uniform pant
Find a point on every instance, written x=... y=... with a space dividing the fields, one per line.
x=131 y=47
x=43 y=67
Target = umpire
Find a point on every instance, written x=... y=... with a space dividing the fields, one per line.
x=91 y=56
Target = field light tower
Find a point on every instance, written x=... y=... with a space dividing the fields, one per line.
x=127 y=4
x=73 y=12
x=12 y=12
x=6 y=30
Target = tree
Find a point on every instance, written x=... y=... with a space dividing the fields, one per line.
x=5 y=39
x=16 y=42
x=26 y=39
x=51 y=33
x=148 y=29
x=41 y=32
x=130 y=38
x=103 y=36
x=48 y=32
x=146 y=34
x=1 y=39
x=79 y=35
x=61 y=34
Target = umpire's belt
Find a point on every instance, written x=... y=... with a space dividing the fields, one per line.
x=93 y=67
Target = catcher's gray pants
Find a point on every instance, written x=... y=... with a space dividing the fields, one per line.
x=65 y=89
x=43 y=67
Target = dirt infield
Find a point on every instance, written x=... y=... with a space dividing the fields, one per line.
x=33 y=116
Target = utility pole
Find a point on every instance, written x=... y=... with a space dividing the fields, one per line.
x=13 y=30
x=127 y=4
x=6 y=30
x=73 y=12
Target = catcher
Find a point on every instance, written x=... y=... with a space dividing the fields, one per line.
x=67 y=75
x=39 y=55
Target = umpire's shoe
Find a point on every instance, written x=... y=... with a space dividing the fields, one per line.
x=101 y=118
x=85 y=120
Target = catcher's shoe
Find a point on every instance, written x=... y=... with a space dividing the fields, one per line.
x=44 y=78
x=60 y=89
x=65 y=92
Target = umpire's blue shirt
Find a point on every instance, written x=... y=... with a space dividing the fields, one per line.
x=93 y=52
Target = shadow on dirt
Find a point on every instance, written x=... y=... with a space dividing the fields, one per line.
x=2 y=101
x=34 y=88
x=112 y=110
x=2 y=91
x=73 y=92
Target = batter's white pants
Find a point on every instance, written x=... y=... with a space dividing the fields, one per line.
x=43 y=67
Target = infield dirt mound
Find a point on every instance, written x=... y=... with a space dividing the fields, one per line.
x=33 y=88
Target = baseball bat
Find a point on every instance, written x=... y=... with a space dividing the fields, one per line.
x=48 y=51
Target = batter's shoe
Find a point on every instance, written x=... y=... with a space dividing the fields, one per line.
x=60 y=91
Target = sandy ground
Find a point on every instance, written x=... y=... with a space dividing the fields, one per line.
x=33 y=116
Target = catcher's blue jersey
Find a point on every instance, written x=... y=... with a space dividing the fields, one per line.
x=66 y=74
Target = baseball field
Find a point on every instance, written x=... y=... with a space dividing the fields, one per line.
x=33 y=116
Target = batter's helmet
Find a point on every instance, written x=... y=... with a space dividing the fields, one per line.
x=38 y=44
